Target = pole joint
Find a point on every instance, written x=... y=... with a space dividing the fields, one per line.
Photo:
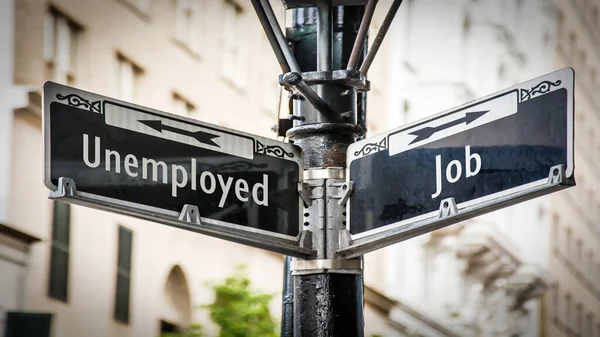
x=326 y=266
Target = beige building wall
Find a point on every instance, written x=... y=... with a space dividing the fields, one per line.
x=143 y=32
x=573 y=305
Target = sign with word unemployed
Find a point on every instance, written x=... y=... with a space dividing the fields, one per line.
x=480 y=154
x=151 y=164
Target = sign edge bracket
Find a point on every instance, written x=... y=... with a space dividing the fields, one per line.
x=66 y=188
x=191 y=214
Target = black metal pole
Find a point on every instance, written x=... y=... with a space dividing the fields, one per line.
x=330 y=103
x=327 y=300
x=271 y=36
x=287 y=309
x=362 y=35
x=385 y=25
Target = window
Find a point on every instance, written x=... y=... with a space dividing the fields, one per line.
x=141 y=5
x=568 y=244
x=59 y=253
x=61 y=35
x=28 y=324
x=177 y=296
x=187 y=22
x=406 y=111
x=555 y=232
x=167 y=328
x=578 y=252
x=589 y=325
x=123 y=275
x=568 y=311
x=579 y=318
x=582 y=59
x=181 y=106
x=590 y=266
x=428 y=270
x=501 y=71
x=128 y=79
x=556 y=301
x=466 y=24
x=572 y=42
x=232 y=61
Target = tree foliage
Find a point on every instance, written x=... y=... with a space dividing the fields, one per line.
x=238 y=309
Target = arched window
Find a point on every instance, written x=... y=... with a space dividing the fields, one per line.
x=178 y=309
x=555 y=232
x=582 y=59
x=568 y=247
x=572 y=43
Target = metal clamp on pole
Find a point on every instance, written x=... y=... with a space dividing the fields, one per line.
x=326 y=173
x=323 y=266
x=294 y=79
x=345 y=189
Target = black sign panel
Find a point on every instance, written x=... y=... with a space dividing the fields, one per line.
x=151 y=161
x=486 y=150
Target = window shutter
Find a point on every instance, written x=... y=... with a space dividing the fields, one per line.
x=59 y=253
x=19 y=324
x=122 y=293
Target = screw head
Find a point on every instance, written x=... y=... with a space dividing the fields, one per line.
x=292 y=78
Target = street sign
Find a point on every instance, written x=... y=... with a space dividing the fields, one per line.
x=504 y=148
x=116 y=156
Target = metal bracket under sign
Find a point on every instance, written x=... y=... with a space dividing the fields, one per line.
x=450 y=214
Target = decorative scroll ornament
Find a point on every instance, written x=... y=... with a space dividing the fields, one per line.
x=273 y=150
x=78 y=101
x=540 y=88
x=369 y=148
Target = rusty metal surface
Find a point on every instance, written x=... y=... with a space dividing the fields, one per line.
x=328 y=305
x=324 y=145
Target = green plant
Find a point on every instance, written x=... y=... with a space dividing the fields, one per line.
x=239 y=310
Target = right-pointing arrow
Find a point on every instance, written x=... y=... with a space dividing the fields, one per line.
x=428 y=131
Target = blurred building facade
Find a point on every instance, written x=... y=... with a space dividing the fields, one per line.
x=73 y=271
x=95 y=273
x=479 y=278
x=531 y=269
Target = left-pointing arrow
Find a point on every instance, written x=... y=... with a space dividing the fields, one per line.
x=201 y=136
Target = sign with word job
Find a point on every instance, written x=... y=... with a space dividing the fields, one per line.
x=480 y=154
